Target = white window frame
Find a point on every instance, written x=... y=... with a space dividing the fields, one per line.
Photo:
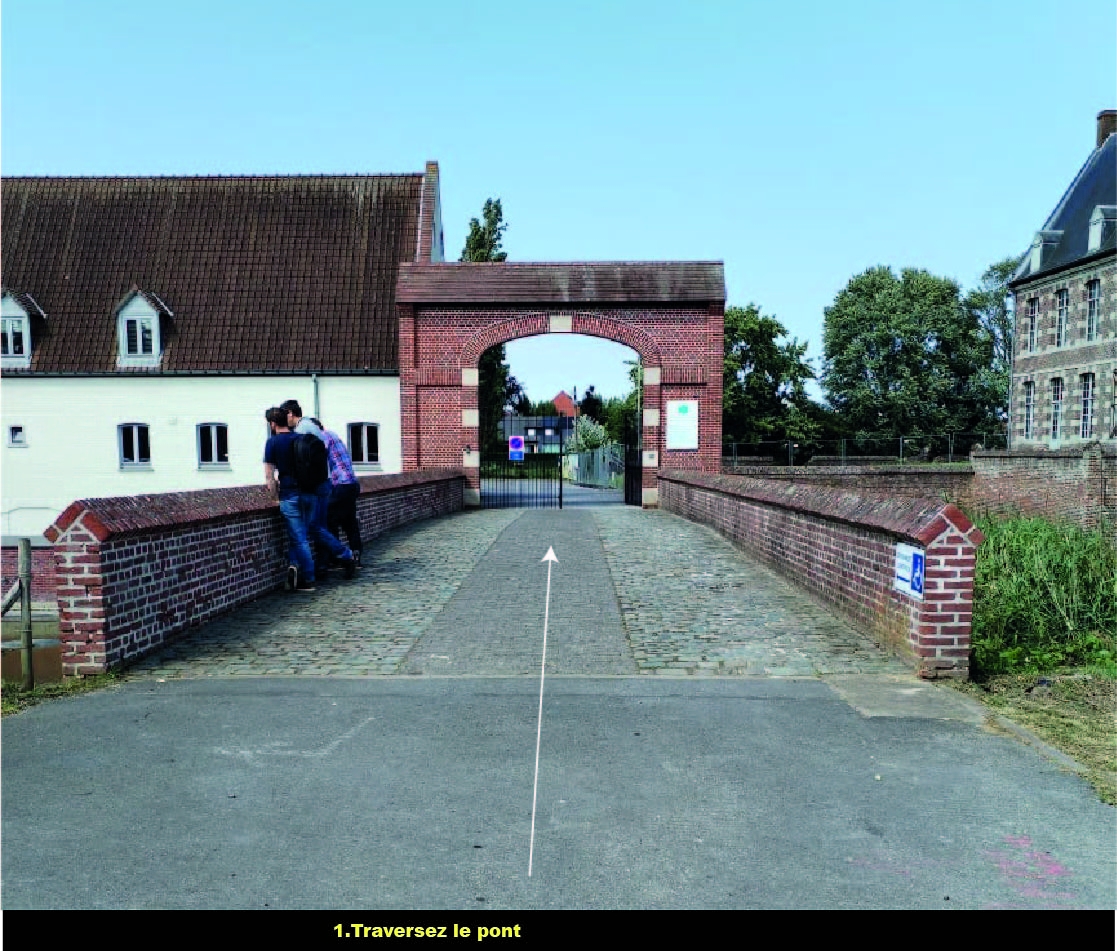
x=1062 y=306
x=137 y=462
x=13 y=315
x=21 y=442
x=363 y=462
x=214 y=463
x=1056 y=409
x=1088 y=384
x=139 y=312
x=1033 y=317
x=1029 y=409
x=1093 y=304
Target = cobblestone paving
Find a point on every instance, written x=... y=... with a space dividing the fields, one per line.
x=692 y=603
x=348 y=628
x=494 y=624
x=633 y=592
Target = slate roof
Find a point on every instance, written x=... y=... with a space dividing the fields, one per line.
x=256 y=274
x=664 y=282
x=1095 y=184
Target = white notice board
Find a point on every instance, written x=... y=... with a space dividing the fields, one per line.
x=682 y=424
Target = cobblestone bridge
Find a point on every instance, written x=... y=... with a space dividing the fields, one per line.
x=635 y=592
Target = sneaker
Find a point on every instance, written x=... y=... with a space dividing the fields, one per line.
x=349 y=566
x=357 y=559
x=291 y=582
x=306 y=586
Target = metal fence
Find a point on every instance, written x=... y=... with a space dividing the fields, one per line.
x=861 y=450
x=600 y=468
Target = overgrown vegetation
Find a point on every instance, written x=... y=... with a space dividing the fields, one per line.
x=13 y=698
x=1045 y=596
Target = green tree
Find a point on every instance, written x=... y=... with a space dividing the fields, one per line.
x=592 y=405
x=903 y=355
x=764 y=383
x=588 y=434
x=989 y=305
x=497 y=389
x=542 y=408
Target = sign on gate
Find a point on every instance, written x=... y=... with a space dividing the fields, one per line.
x=909 y=570
x=516 y=448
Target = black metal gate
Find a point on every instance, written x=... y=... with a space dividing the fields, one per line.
x=531 y=481
x=633 y=463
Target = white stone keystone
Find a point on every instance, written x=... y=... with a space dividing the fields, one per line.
x=562 y=323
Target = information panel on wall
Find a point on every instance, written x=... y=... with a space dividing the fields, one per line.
x=682 y=424
x=909 y=571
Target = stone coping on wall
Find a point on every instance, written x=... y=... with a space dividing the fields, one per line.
x=915 y=519
x=1073 y=451
x=124 y=515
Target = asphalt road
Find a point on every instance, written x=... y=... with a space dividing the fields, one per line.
x=416 y=793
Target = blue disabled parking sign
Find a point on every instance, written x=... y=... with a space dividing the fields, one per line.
x=516 y=448
x=910 y=562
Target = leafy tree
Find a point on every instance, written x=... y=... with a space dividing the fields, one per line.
x=542 y=408
x=989 y=305
x=764 y=395
x=904 y=356
x=588 y=434
x=592 y=405
x=496 y=388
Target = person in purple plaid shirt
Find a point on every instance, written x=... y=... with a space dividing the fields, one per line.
x=342 y=513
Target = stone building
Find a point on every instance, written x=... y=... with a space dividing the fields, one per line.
x=1064 y=376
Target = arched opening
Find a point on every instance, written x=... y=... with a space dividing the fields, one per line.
x=558 y=417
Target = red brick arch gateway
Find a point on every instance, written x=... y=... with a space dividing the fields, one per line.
x=671 y=314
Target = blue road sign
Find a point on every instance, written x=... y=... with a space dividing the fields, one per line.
x=516 y=448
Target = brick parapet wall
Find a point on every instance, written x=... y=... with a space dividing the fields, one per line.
x=134 y=572
x=43 y=580
x=840 y=547
x=951 y=481
x=1076 y=484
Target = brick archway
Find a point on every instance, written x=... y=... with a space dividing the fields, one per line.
x=449 y=314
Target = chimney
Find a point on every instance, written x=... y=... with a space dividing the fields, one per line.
x=1107 y=125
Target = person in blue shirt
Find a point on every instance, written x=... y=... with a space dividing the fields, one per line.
x=299 y=509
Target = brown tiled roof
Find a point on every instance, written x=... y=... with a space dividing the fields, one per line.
x=259 y=274
x=689 y=282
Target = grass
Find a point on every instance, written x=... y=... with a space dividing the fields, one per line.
x=14 y=699
x=1045 y=596
x=1073 y=709
x=1045 y=637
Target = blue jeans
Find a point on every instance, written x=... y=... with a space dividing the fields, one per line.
x=305 y=515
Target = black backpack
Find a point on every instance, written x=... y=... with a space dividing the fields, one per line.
x=312 y=461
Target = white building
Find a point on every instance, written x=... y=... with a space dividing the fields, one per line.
x=148 y=323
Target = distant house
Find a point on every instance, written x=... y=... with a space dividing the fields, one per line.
x=565 y=404
x=148 y=323
x=1064 y=377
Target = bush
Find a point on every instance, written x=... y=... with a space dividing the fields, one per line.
x=1045 y=595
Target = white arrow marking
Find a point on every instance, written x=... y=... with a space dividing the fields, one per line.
x=549 y=558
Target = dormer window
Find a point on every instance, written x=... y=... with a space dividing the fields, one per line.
x=1042 y=246
x=15 y=329
x=1101 y=225
x=138 y=330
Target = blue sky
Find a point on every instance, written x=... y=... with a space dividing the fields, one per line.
x=798 y=142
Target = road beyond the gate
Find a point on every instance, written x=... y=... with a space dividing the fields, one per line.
x=710 y=739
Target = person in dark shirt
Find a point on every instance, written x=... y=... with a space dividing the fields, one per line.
x=299 y=509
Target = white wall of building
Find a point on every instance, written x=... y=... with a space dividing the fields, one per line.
x=71 y=439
